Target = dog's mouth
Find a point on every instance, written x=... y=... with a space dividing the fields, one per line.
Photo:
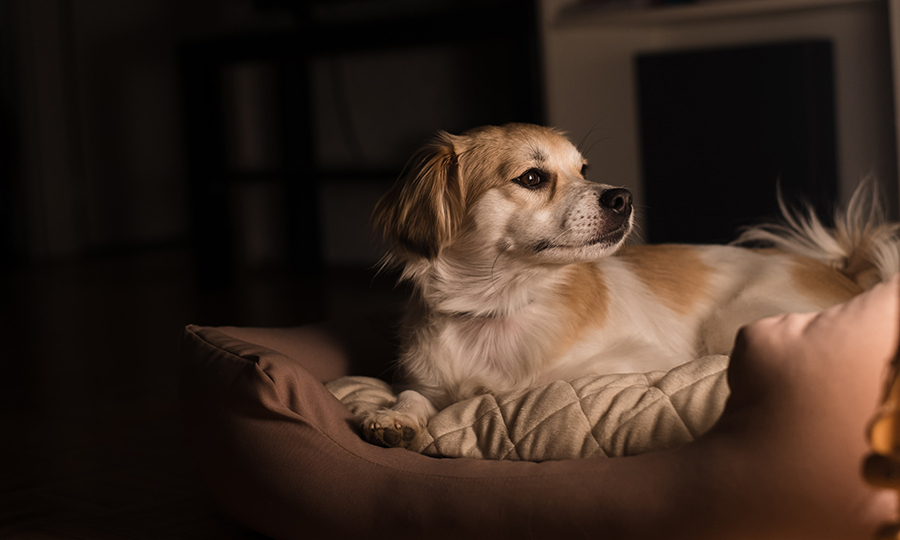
x=607 y=238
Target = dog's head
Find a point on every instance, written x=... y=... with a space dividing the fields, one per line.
x=518 y=189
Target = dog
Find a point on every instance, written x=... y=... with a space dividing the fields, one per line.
x=521 y=275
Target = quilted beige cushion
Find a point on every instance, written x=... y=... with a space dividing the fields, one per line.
x=592 y=416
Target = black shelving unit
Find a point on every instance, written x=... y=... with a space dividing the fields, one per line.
x=511 y=24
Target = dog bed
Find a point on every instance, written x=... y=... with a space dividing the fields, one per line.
x=284 y=457
x=592 y=416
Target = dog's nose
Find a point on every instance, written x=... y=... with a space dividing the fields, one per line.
x=617 y=199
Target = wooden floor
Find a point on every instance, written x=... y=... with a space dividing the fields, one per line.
x=91 y=447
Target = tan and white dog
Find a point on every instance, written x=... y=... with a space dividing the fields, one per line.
x=521 y=277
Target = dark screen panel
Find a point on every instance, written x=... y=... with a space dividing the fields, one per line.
x=722 y=128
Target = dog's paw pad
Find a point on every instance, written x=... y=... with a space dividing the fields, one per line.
x=393 y=432
x=390 y=436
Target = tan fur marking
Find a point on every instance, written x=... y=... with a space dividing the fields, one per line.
x=676 y=274
x=586 y=298
x=767 y=251
x=821 y=282
x=860 y=272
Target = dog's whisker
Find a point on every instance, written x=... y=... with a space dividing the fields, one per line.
x=586 y=135
x=591 y=147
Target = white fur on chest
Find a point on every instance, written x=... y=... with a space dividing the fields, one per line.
x=471 y=355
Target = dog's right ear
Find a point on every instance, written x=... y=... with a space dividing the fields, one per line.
x=424 y=209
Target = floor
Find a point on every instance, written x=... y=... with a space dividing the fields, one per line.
x=92 y=447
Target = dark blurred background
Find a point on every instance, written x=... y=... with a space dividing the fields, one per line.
x=165 y=162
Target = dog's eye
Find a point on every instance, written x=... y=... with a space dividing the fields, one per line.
x=532 y=178
x=584 y=170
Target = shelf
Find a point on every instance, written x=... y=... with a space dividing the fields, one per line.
x=591 y=14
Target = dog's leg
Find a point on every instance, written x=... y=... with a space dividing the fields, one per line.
x=400 y=425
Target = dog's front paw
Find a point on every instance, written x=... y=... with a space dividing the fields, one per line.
x=392 y=429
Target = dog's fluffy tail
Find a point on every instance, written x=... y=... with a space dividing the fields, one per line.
x=862 y=244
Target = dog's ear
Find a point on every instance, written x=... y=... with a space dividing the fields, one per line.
x=423 y=210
